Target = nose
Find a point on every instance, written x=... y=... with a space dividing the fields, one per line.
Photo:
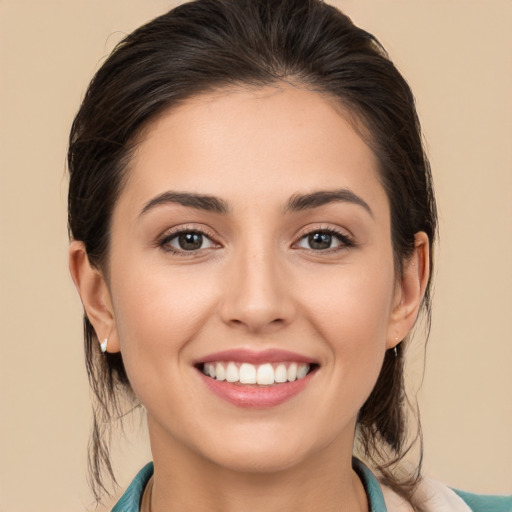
x=257 y=295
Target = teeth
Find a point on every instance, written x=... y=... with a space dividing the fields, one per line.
x=209 y=369
x=232 y=374
x=247 y=374
x=281 y=374
x=302 y=371
x=292 y=372
x=220 y=373
x=263 y=375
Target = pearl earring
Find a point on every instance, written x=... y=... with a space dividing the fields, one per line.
x=103 y=345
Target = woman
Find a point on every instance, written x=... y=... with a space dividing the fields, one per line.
x=252 y=219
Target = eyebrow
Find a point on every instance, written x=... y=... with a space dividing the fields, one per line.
x=299 y=202
x=198 y=201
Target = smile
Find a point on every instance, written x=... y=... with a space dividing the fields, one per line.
x=266 y=374
x=259 y=380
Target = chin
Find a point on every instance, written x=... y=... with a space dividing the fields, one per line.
x=259 y=460
x=265 y=449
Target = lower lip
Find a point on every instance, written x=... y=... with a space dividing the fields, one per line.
x=253 y=396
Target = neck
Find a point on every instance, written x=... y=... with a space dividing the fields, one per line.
x=183 y=480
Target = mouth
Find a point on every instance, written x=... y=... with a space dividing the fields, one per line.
x=265 y=374
x=258 y=380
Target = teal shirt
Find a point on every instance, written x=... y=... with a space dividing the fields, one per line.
x=130 y=501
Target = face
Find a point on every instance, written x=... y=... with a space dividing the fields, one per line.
x=252 y=243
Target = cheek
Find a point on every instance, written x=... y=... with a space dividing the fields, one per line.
x=353 y=306
x=351 y=313
x=158 y=311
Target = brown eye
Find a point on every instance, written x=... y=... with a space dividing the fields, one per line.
x=324 y=240
x=186 y=241
x=320 y=241
x=190 y=241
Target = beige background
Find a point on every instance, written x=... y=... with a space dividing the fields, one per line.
x=456 y=55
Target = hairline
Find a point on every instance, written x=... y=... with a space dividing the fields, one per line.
x=346 y=109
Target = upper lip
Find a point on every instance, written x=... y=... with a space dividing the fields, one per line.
x=256 y=357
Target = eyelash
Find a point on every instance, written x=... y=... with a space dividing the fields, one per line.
x=345 y=240
x=163 y=242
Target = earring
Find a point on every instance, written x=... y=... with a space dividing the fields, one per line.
x=395 y=349
x=103 y=345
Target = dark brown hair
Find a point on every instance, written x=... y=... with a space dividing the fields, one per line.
x=205 y=45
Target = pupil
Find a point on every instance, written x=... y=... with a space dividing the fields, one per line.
x=190 y=241
x=320 y=240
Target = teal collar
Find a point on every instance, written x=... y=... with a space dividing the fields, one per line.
x=371 y=486
x=130 y=501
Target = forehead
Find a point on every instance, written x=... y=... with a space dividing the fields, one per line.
x=265 y=143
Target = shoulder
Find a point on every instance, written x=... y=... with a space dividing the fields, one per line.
x=130 y=500
x=430 y=496
x=437 y=497
x=485 y=502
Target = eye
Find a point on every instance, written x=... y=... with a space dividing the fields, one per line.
x=323 y=240
x=186 y=241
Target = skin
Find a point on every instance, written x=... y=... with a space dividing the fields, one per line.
x=255 y=284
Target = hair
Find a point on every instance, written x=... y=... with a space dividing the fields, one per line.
x=207 y=45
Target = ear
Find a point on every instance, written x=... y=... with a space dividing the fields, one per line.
x=94 y=294
x=409 y=291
